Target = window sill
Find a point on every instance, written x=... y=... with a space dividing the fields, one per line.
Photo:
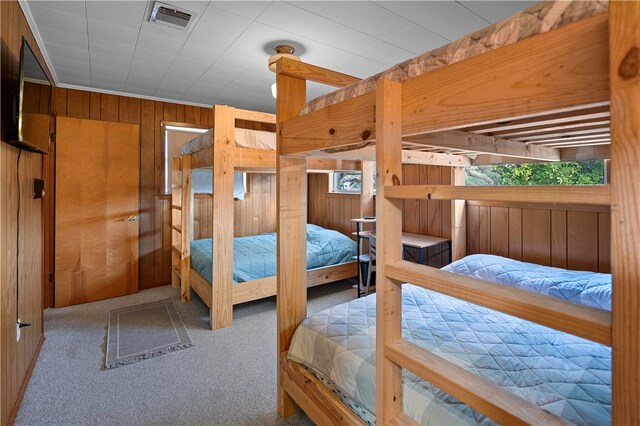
x=343 y=194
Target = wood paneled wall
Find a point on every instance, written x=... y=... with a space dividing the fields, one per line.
x=574 y=238
x=331 y=210
x=254 y=215
x=431 y=217
x=17 y=358
x=155 y=235
x=428 y=217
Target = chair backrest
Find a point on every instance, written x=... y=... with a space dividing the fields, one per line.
x=372 y=246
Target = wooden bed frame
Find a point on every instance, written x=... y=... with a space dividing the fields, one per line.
x=552 y=83
x=224 y=157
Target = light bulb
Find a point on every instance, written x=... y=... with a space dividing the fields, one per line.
x=274 y=90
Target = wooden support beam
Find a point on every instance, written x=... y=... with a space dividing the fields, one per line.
x=574 y=194
x=291 y=195
x=486 y=145
x=579 y=320
x=255 y=116
x=568 y=127
x=560 y=70
x=389 y=242
x=624 y=42
x=302 y=70
x=254 y=158
x=185 y=214
x=318 y=402
x=331 y=164
x=347 y=123
x=458 y=218
x=500 y=405
x=222 y=253
x=591 y=152
x=543 y=121
x=487 y=159
x=409 y=156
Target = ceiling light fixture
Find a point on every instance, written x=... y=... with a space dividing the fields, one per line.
x=281 y=51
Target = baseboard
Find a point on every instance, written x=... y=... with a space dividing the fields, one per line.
x=25 y=382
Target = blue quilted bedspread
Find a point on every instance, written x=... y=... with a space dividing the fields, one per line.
x=587 y=288
x=564 y=374
x=255 y=256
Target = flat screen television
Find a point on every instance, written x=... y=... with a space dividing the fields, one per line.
x=32 y=104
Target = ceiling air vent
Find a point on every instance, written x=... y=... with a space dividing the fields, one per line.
x=171 y=16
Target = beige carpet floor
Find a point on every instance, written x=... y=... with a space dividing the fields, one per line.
x=227 y=378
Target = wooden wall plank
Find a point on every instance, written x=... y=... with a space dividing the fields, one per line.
x=582 y=245
x=78 y=104
x=499 y=233
x=604 y=242
x=515 y=233
x=147 y=193
x=94 y=106
x=536 y=236
x=109 y=107
x=559 y=238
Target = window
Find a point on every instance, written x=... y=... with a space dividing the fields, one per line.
x=556 y=173
x=350 y=182
x=346 y=182
x=174 y=138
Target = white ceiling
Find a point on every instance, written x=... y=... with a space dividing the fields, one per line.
x=112 y=46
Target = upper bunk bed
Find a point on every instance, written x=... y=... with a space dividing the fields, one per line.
x=237 y=270
x=344 y=120
x=559 y=81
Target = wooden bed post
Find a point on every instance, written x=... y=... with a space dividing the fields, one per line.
x=222 y=258
x=185 y=216
x=291 y=183
x=458 y=219
x=624 y=48
x=389 y=234
x=366 y=197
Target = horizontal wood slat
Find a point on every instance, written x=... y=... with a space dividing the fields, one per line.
x=315 y=73
x=586 y=322
x=582 y=194
x=566 y=69
x=257 y=116
x=500 y=405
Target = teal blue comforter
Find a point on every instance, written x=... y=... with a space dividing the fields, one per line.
x=255 y=257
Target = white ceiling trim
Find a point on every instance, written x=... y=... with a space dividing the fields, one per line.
x=34 y=29
x=132 y=95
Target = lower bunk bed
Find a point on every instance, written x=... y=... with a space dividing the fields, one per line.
x=334 y=350
x=330 y=257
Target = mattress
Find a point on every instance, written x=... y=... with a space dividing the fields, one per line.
x=255 y=256
x=539 y=18
x=566 y=375
x=244 y=138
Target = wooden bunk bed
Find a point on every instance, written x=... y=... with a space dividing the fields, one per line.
x=225 y=157
x=572 y=93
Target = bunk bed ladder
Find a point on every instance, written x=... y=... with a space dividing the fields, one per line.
x=180 y=221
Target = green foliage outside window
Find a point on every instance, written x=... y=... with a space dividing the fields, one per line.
x=557 y=173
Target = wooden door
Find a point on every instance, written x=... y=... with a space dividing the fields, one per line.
x=97 y=210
